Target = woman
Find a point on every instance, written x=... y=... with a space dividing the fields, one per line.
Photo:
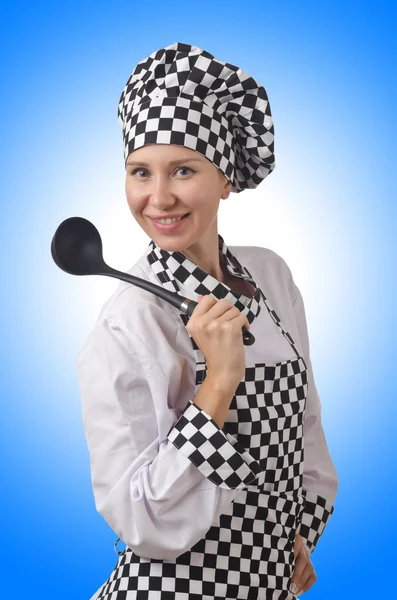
x=208 y=457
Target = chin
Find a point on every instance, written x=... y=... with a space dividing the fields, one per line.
x=169 y=247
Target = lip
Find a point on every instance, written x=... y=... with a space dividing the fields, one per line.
x=167 y=216
x=172 y=226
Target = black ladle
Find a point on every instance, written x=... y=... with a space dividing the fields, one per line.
x=76 y=248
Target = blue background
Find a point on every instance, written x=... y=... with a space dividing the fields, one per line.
x=328 y=210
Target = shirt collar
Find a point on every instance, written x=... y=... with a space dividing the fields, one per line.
x=174 y=269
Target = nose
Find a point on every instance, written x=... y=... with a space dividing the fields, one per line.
x=160 y=192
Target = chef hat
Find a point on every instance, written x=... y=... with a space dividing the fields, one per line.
x=182 y=95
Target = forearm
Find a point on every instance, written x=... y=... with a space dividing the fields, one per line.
x=162 y=505
x=214 y=396
x=320 y=480
x=152 y=499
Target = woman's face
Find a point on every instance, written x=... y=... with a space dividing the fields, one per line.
x=175 y=180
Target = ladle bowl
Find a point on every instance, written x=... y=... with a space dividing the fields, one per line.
x=76 y=248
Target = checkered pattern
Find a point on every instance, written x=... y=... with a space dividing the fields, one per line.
x=248 y=553
x=183 y=95
x=201 y=440
x=314 y=518
x=171 y=267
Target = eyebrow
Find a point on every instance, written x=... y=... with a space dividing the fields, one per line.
x=173 y=162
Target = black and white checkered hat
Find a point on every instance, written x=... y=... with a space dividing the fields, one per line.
x=182 y=95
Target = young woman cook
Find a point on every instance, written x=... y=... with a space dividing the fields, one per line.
x=208 y=458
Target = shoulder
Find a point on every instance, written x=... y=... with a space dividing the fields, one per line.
x=129 y=298
x=268 y=258
x=270 y=268
x=143 y=319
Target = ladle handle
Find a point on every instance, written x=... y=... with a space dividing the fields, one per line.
x=188 y=307
x=185 y=305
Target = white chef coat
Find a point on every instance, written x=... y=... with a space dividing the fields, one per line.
x=136 y=375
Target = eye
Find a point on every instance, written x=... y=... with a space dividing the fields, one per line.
x=178 y=169
x=136 y=170
x=185 y=168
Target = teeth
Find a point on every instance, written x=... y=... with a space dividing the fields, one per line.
x=167 y=221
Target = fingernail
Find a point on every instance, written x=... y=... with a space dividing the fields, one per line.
x=294 y=588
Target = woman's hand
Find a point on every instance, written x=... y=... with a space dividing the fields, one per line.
x=304 y=574
x=215 y=326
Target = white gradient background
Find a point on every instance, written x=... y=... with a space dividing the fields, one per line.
x=328 y=209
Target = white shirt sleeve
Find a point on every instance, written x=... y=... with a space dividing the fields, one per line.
x=159 y=493
x=320 y=481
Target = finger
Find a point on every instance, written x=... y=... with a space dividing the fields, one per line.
x=203 y=302
x=305 y=549
x=305 y=576
x=309 y=582
x=298 y=544
x=300 y=564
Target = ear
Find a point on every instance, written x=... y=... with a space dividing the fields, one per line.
x=226 y=190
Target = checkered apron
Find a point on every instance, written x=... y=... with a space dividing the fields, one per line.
x=249 y=553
